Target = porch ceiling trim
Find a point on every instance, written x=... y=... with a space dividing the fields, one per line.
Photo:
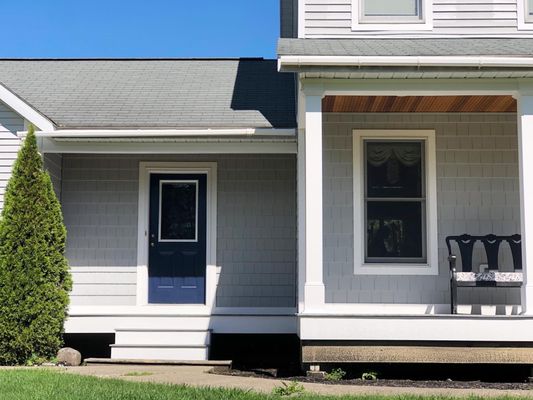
x=160 y=133
x=168 y=145
x=416 y=87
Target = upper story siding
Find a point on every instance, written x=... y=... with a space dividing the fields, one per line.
x=333 y=18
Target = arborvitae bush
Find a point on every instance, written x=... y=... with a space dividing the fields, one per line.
x=34 y=275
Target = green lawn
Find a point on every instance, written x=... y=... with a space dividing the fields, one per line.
x=45 y=385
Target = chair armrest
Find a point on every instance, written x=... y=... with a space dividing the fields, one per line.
x=452 y=258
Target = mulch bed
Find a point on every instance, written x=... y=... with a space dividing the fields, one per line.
x=445 y=384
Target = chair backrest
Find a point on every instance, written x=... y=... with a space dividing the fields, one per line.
x=466 y=248
x=491 y=243
x=492 y=249
x=515 y=243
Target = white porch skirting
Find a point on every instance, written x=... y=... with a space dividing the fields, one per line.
x=438 y=328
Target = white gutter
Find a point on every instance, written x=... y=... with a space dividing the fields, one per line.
x=405 y=61
x=154 y=133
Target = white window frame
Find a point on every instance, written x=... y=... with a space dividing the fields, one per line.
x=525 y=21
x=431 y=267
x=161 y=183
x=392 y=23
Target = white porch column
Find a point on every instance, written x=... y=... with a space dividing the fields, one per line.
x=314 y=291
x=525 y=150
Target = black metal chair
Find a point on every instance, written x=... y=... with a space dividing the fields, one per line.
x=491 y=278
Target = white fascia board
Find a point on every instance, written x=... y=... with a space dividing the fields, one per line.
x=405 y=61
x=25 y=110
x=162 y=133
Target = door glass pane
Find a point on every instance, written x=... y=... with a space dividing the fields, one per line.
x=394 y=169
x=391 y=8
x=530 y=7
x=178 y=211
x=394 y=230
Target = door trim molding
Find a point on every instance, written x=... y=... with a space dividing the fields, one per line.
x=212 y=270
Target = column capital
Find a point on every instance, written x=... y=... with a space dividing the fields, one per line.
x=312 y=89
x=525 y=88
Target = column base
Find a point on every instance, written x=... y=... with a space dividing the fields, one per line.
x=315 y=296
x=527 y=300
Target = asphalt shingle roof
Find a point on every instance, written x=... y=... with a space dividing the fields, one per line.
x=236 y=93
x=406 y=47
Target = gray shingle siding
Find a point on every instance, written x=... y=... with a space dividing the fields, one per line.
x=477 y=193
x=246 y=93
x=256 y=236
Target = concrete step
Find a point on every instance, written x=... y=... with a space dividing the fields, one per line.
x=181 y=337
x=118 y=361
x=159 y=352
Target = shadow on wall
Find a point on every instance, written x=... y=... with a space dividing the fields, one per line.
x=260 y=87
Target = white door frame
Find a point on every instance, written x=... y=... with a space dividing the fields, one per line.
x=212 y=271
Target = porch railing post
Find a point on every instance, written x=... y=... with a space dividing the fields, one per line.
x=525 y=150
x=314 y=291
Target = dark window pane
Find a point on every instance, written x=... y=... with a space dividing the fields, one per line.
x=394 y=230
x=178 y=211
x=394 y=169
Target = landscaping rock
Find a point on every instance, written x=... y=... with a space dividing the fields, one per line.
x=68 y=356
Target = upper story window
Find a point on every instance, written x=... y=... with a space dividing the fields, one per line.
x=379 y=15
x=525 y=14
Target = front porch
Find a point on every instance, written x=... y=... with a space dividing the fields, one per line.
x=245 y=215
x=479 y=187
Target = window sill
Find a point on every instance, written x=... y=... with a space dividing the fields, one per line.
x=396 y=269
x=398 y=26
x=525 y=25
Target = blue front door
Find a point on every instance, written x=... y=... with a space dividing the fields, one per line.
x=177 y=238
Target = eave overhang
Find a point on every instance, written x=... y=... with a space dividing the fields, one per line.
x=410 y=66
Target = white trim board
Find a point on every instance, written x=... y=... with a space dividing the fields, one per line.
x=405 y=61
x=160 y=133
x=417 y=328
x=236 y=324
x=154 y=310
x=212 y=270
x=137 y=146
x=432 y=265
x=25 y=110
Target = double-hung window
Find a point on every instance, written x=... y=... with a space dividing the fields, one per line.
x=525 y=14
x=394 y=205
x=391 y=15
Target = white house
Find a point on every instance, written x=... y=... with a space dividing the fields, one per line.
x=310 y=197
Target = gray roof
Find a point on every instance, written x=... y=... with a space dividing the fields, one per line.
x=406 y=47
x=176 y=93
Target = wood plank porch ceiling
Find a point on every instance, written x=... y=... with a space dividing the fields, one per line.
x=419 y=104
